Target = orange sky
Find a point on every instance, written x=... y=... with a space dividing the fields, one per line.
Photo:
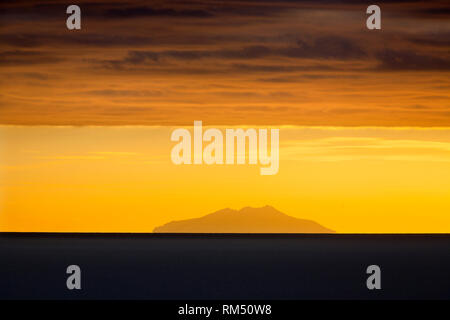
x=233 y=62
x=86 y=116
x=121 y=179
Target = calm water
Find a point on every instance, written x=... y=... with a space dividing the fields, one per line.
x=158 y=266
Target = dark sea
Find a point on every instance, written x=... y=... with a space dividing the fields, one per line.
x=221 y=266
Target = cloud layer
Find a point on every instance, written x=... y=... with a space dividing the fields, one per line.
x=234 y=62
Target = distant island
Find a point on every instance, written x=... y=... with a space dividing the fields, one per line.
x=247 y=220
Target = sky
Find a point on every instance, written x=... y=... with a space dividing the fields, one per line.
x=86 y=115
x=234 y=62
x=121 y=179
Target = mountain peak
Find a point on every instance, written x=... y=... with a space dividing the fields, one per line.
x=265 y=219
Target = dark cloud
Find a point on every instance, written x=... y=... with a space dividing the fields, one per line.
x=35 y=76
x=328 y=47
x=321 y=48
x=22 y=40
x=265 y=68
x=443 y=12
x=106 y=39
x=30 y=40
x=203 y=9
x=19 y=57
x=434 y=40
x=392 y=60
x=249 y=52
x=133 y=12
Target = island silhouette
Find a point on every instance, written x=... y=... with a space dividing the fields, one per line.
x=246 y=220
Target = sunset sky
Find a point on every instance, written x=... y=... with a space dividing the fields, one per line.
x=86 y=115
